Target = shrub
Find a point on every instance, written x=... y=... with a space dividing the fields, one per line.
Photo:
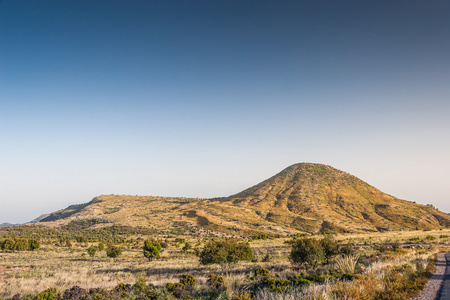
x=306 y=250
x=33 y=244
x=151 y=249
x=21 y=245
x=225 y=251
x=91 y=251
x=8 y=244
x=140 y=284
x=113 y=251
x=187 y=279
x=260 y=271
x=330 y=247
x=187 y=246
x=346 y=249
x=101 y=246
x=215 y=281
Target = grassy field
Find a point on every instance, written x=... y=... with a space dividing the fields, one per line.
x=31 y=272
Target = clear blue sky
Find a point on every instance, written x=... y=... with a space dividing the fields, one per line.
x=206 y=98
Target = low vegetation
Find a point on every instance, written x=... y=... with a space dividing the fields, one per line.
x=19 y=244
x=342 y=267
x=226 y=252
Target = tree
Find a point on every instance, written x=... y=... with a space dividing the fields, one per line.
x=91 y=250
x=151 y=249
x=330 y=247
x=306 y=250
x=225 y=251
x=113 y=251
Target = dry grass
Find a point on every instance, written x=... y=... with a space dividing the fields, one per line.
x=414 y=236
x=28 y=272
x=31 y=272
x=346 y=263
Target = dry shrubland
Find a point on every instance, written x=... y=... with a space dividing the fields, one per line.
x=369 y=272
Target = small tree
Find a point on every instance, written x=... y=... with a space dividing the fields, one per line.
x=91 y=251
x=151 y=249
x=113 y=251
x=225 y=251
x=306 y=250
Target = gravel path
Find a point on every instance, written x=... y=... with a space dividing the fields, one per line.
x=445 y=292
x=433 y=289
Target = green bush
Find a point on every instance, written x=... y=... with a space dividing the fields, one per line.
x=8 y=244
x=225 y=251
x=101 y=246
x=113 y=251
x=91 y=251
x=19 y=244
x=187 y=279
x=33 y=244
x=260 y=271
x=330 y=247
x=151 y=249
x=306 y=250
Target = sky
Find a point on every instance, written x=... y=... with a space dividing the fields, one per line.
x=207 y=98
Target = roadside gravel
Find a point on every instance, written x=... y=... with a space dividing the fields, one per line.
x=432 y=289
x=445 y=292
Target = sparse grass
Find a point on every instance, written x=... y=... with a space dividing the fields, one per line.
x=62 y=268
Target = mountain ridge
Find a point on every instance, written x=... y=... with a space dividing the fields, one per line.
x=303 y=197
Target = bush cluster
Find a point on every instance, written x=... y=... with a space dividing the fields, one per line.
x=225 y=251
x=151 y=249
x=113 y=251
x=263 y=279
x=19 y=244
x=312 y=251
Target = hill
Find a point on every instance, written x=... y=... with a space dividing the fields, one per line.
x=304 y=197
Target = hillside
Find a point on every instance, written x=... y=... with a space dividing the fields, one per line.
x=302 y=198
x=315 y=197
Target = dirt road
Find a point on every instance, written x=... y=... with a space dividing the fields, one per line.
x=438 y=287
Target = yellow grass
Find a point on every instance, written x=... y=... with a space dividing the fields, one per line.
x=31 y=272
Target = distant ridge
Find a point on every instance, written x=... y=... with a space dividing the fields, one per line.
x=304 y=197
x=3 y=225
x=40 y=218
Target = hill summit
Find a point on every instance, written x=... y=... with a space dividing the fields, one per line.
x=304 y=197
